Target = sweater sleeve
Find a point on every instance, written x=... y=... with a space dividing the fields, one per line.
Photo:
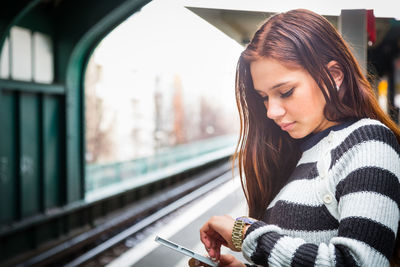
x=368 y=193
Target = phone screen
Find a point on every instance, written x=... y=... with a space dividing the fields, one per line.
x=185 y=251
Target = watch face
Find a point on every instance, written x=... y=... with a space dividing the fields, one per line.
x=246 y=220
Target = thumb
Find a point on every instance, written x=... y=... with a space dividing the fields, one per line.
x=226 y=259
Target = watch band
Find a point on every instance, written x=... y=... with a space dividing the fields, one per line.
x=237 y=231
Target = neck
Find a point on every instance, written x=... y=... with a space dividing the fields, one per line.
x=325 y=125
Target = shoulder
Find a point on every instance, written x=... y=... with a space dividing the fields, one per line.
x=361 y=132
x=366 y=140
x=367 y=159
x=367 y=131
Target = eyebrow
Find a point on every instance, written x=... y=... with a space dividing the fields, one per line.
x=274 y=87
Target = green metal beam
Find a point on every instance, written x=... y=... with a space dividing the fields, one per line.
x=76 y=27
x=80 y=37
x=30 y=87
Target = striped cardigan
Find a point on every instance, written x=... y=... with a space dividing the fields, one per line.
x=340 y=207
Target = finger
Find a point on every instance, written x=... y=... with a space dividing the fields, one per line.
x=207 y=242
x=195 y=263
x=207 y=237
x=204 y=238
x=213 y=245
x=217 y=254
x=226 y=259
x=222 y=241
x=191 y=262
x=218 y=251
x=212 y=253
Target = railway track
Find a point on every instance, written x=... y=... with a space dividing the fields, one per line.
x=110 y=239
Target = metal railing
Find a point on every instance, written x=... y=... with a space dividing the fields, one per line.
x=135 y=172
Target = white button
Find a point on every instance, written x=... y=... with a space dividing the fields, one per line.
x=327 y=199
x=323 y=172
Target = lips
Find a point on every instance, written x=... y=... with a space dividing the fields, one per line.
x=286 y=126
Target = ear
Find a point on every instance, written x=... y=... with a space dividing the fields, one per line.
x=336 y=72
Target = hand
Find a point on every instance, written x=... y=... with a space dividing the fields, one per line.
x=215 y=232
x=225 y=260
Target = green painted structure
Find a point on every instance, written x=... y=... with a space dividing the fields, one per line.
x=41 y=124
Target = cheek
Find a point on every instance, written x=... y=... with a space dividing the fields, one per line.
x=309 y=105
x=302 y=105
x=315 y=96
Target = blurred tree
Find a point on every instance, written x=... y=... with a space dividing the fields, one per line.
x=179 y=127
x=97 y=133
x=213 y=121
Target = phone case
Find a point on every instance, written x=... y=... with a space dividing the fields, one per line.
x=185 y=251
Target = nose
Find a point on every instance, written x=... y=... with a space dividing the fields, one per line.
x=275 y=110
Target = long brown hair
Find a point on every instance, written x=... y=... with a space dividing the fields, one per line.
x=266 y=155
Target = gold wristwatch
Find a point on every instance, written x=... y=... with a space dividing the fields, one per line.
x=237 y=231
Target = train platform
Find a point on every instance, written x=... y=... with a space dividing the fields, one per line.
x=183 y=229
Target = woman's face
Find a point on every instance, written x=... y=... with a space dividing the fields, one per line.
x=291 y=96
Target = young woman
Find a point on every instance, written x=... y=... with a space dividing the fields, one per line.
x=319 y=160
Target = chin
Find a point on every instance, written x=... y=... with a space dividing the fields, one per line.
x=297 y=135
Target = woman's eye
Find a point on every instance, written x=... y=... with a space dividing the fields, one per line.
x=264 y=98
x=288 y=93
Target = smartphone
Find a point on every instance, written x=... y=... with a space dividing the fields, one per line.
x=185 y=251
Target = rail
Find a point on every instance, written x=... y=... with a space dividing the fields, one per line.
x=140 y=215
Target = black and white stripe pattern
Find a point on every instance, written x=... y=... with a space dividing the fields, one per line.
x=340 y=206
